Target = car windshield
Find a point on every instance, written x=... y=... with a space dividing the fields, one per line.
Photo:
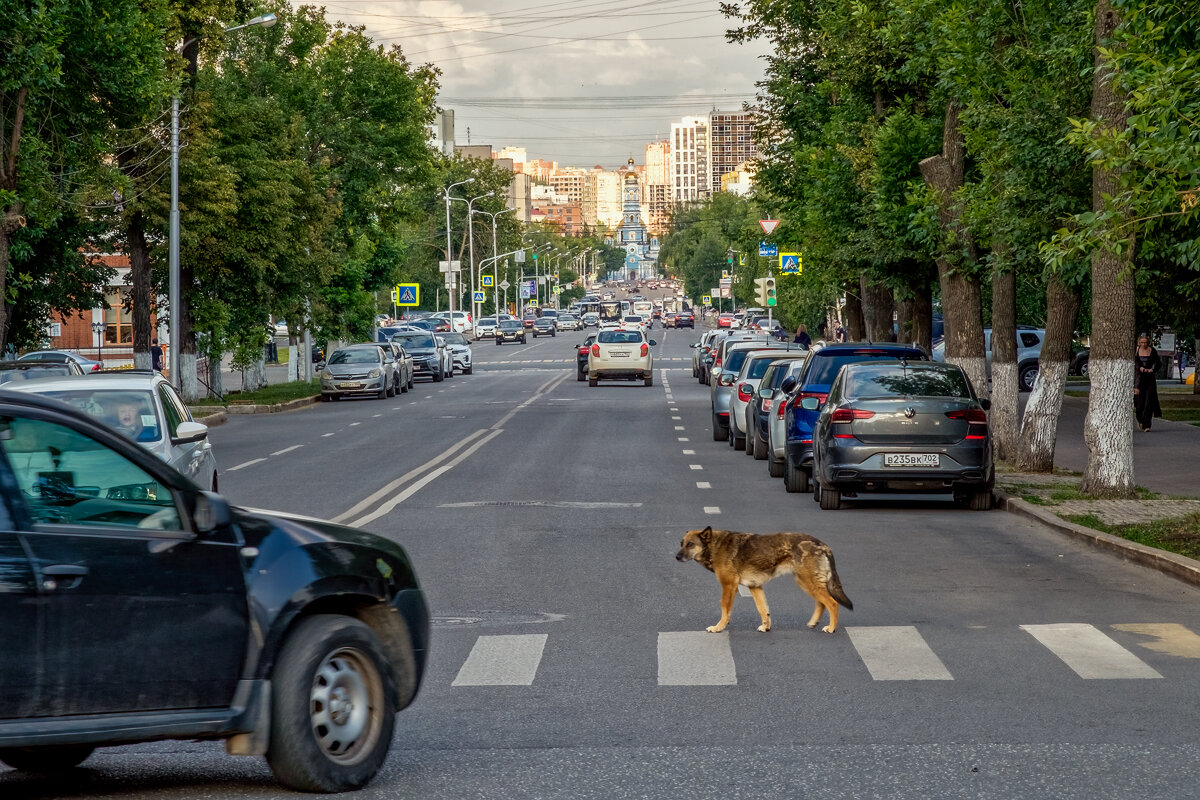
x=454 y=338
x=488 y=321
x=901 y=382
x=619 y=337
x=825 y=367
x=413 y=339
x=508 y=324
x=358 y=356
x=128 y=411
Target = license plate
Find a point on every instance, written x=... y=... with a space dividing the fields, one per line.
x=619 y=354
x=911 y=460
x=349 y=385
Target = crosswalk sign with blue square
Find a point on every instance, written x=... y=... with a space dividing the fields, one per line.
x=478 y=297
x=790 y=263
x=488 y=280
x=408 y=294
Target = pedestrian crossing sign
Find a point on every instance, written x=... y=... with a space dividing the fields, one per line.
x=488 y=280
x=408 y=294
x=478 y=296
x=791 y=263
x=706 y=300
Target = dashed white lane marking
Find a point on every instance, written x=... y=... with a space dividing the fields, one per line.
x=689 y=452
x=676 y=417
x=712 y=509
x=377 y=415
x=683 y=438
x=352 y=424
x=743 y=591
x=897 y=653
x=703 y=485
x=325 y=435
x=674 y=409
x=245 y=464
x=695 y=658
x=1089 y=652
x=680 y=428
x=287 y=449
x=506 y=660
x=695 y=466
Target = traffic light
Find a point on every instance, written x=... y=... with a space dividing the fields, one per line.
x=760 y=291
x=769 y=291
x=535 y=256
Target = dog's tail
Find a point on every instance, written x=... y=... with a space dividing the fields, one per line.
x=835 y=584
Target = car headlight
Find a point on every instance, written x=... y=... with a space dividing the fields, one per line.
x=326 y=375
x=375 y=373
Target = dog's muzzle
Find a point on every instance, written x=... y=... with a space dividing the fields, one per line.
x=681 y=556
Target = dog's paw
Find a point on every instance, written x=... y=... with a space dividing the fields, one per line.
x=829 y=629
x=764 y=628
x=812 y=625
x=715 y=628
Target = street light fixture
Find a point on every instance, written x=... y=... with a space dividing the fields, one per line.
x=449 y=258
x=174 y=290
x=495 y=266
x=98 y=329
x=471 y=245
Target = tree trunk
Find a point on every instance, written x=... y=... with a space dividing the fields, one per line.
x=1039 y=426
x=852 y=315
x=1108 y=427
x=878 y=307
x=961 y=297
x=1004 y=412
x=1196 y=367
x=9 y=224
x=189 y=384
x=139 y=276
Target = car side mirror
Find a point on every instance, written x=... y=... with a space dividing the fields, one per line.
x=766 y=392
x=212 y=512
x=190 y=432
x=788 y=385
x=985 y=404
x=653 y=343
x=810 y=403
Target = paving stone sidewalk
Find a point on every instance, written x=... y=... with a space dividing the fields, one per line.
x=1111 y=512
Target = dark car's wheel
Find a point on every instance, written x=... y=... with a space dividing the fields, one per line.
x=581 y=375
x=439 y=376
x=720 y=432
x=1083 y=366
x=980 y=501
x=498 y=342
x=593 y=381
x=383 y=393
x=831 y=499
x=760 y=448
x=523 y=340
x=332 y=695
x=774 y=466
x=45 y=759
x=795 y=479
x=325 y=397
x=468 y=370
x=404 y=387
x=1027 y=376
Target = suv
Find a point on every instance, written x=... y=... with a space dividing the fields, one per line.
x=1029 y=350
x=731 y=354
x=814 y=381
x=144 y=407
x=621 y=354
x=137 y=608
x=461 y=323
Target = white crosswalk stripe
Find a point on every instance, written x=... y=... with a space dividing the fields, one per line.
x=695 y=658
x=1089 y=652
x=897 y=653
x=509 y=660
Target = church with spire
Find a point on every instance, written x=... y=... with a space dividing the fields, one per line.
x=641 y=252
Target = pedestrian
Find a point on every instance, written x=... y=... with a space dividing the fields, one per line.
x=839 y=333
x=802 y=336
x=156 y=361
x=1145 y=388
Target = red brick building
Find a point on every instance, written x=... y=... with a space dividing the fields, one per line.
x=75 y=332
x=568 y=217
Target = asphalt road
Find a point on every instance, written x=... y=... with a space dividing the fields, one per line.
x=985 y=656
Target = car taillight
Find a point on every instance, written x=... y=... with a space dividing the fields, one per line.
x=645 y=349
x=969 y=414
x=583 y=351
x=596 y=350
x=821 y=398
x=766 y=406
x=781 y=411
x=745 y=392
x=717 y=363
x=850 y=414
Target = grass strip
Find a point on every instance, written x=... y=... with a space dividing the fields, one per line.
x=269 y=395
x=1179 y=535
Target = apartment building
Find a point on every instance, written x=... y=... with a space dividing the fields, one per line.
x=730 y=145
x=569 y=182
x=656 y=187
x=691 y=170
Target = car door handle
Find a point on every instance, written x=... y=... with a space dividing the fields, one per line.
x=73 y=573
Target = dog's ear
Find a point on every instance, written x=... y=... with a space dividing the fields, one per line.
x=706 y=534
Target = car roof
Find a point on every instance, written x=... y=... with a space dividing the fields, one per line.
x=124 y=379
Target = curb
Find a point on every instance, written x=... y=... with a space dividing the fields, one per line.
x=275 y=407
x=1177 y=566
x=212 y=420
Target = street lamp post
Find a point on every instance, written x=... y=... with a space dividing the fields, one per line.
x=449 y=256
x=471 y=246
x=98 y=329
x=495 y=267
x=174 y=290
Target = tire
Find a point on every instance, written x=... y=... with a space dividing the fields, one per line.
x=392 y=391
x=383 y=393
x=775 y=467
x=412 y=381
x=1083 y=367
x=469 y=371
x=497 y=342
x=523 y=340
x=438 y=377
x=831 y=499
x=649 y=380
x=760 y=448
x=330 y=657
x=593 y=382
x=1026 y=377
x=795 y=479
x=980 y=501
x=215 y=483
x=47 y=759
x=720 y=432
x=325 y=398
x=581 y=376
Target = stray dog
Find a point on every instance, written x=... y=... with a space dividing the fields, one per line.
x=752 y=559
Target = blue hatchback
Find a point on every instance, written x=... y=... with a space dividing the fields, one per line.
x=814 y=381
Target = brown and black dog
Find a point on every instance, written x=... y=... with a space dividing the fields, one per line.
x=752 y=559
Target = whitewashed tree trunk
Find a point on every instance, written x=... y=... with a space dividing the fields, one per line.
x=189 y=386
x=1004 y=419
x=1108 y=428
x=215 y=382
x=143 y=361
x=256 y=375
x=1039 y=426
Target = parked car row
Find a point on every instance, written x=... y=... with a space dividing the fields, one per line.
x=848 y=418
x=391 y=366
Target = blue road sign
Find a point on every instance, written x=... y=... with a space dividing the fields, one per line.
x=478 y=297
x=488 y=280
x=409 y=293
x=790 y=263
x=768 y=250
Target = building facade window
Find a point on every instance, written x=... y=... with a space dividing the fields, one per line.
x=118 y=321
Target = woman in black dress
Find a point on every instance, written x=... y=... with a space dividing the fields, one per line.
x=1145 y=389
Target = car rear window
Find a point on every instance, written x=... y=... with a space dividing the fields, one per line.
x=901 y=382
x=825 y=364
x=415 y=339
x=619 y=337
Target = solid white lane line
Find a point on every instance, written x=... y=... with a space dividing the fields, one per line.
x=376 y=496
x=544 y=389
x=897 y=653
x=1089 y=652
x=389 y=505
x=506 y=660
x=695 y=658
x=287 y=449
x=245 y=464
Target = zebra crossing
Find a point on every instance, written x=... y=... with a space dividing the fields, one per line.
x=888 y=653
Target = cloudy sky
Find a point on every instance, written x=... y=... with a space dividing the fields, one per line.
x=581 y=82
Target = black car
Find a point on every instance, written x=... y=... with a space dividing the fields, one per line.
x=427 y=354
x=509 y=330
x=136 y=607
x=685 y=319
x=544 y=326
x=581 y=357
